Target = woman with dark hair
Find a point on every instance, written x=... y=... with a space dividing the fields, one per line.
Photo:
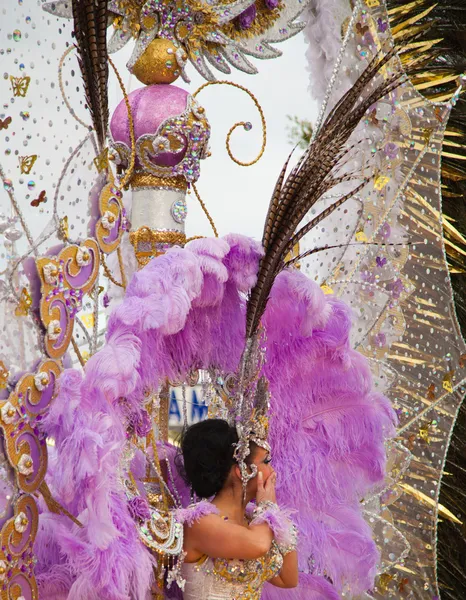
x=232 y=551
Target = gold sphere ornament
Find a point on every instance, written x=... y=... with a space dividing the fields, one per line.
x=158 y=63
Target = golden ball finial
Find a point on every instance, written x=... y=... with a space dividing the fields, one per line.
x=158 y=63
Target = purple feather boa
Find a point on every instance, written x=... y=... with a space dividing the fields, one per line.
x=279 y=522
x=194 y=513
x=311 y=587
x=186 y=310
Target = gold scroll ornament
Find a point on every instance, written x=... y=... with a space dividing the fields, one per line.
x=26 y=451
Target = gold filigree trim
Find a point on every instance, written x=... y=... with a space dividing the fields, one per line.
x=155 y=241
x=149 y=180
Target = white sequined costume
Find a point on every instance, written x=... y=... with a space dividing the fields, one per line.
x=222 y=579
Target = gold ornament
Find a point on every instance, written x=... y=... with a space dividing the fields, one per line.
x=143 y=179
x=4 y=374
x=151 y=240
x=26 y=163
x=20 y=86
x=24 y=304
x=101 y=161
x=63 y=229
x=158 y=63
x=326 y=289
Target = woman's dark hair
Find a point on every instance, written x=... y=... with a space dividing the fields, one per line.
x=207 y=449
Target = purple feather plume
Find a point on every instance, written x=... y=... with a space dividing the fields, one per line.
x=192 y=514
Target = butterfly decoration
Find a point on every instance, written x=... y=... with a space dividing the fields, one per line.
x=447 y=381
x=24 y=303
x=38 y=201
x=3 y=375
x=439 y=113
x=5 y=123
x=383 y=582
x=101 y=161
x=26 y=163
x=382 y=26
x=431 y=392
x=381 y=181
x=361 y=236
x=381 y=261
x=361 y=29
x=372 y=118
x=424 y=432
x=63 y=229
x=20 y=85
x=326 y=289
x=88 y=320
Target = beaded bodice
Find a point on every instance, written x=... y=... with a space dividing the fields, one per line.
x=222 y=579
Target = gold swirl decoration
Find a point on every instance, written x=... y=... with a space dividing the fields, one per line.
x=16 y=555
x=26 y=451
x=112 y=223
x=65 y=279
x=246 y=125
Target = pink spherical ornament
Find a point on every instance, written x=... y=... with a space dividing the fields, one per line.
x=170 y=129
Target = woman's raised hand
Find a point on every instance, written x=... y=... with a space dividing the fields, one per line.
x=266 y=492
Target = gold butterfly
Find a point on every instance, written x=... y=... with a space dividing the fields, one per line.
x=20 y=85
x=426 y=135
x=326 y=289
x=101 y=161
x=26 y=163
x=24 y=303
x=447 y=381
x=88 y=320
x=63 y=229
x=424 y=432
x=380 y=182
x=3 y=376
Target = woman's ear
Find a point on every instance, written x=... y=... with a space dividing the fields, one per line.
x=237 y=472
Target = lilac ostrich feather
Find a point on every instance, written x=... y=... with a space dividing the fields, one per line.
x=139 y=509
x=89 y=440
x=310 y=587
x=210 y=253
x=177 y=486
x=195 y=512
x=242 y=260
x=160 y=295
x=279 y=522
x=322 y=391
x=114 y=368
